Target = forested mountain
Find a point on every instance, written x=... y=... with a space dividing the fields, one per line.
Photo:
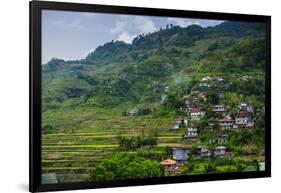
x=173 y=57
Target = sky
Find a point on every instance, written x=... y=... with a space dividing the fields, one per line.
x=73 y=35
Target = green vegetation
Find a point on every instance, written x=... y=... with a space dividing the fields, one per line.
x=132 y=143
x=112 y=115
x=126 y=166
x=201 y=166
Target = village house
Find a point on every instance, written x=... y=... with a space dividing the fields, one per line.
x=191 y=101
x=244 y=107
x=192 y=134
x=218 y=108
x=196 y=113
x=206 y=78
x=177 y=124
x=241 y=119
x=210 y=126
x=192 y=131
x=204 y=85
x=184 y=121
x=203 y=151
x=226 y=123
x=219 y=151
x=250 y=124
x=180 y=155
x=202 y=96
x=180 y=122
x=169 y=165
x=133 y=112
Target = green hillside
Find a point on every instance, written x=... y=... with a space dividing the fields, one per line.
x=139 y=71
x=86 y=104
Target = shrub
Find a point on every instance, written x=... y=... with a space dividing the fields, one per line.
x=126 y=166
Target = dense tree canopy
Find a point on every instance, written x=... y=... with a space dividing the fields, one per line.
x=126 y=166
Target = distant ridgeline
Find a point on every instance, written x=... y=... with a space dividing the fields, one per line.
x=159 y=67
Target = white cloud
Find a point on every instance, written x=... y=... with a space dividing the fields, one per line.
x=126 y=37
x=119 y=27
x=128 y=27
x=187 y=22
x=144 y=25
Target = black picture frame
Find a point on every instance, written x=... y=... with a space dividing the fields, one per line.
x=35 y=94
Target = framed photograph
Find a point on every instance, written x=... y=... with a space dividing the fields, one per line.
x=127 y=96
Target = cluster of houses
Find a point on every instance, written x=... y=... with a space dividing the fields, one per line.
x=194 y=110
x=181 y=155
x=243 y=119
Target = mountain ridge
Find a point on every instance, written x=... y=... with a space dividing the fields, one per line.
x=227 y=28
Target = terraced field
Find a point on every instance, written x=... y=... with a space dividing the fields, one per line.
x=84 y=138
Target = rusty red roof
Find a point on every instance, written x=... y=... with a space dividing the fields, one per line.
x=219 y=106
x=243 y=115
x=175 y=170
x=196 y=109
x=220 y=147
x=226 y=120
